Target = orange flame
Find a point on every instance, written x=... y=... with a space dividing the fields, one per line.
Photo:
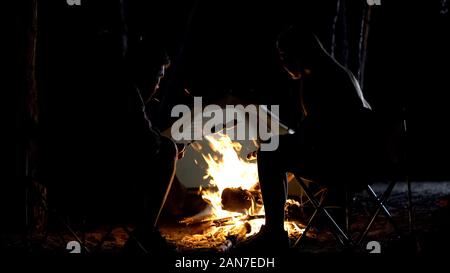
x=226 y=169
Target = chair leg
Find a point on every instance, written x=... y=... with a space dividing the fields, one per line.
x=410 y=207
x=343 y=237
x=347 y=209
x=345 y=240
x=380 y=201
x=132 y=237
x=307 y=228
x=74 y=234
x=380 y=207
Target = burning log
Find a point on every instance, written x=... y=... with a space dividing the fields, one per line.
x=236 y=199
x=219 y=221
x=240 y=200
x=236 y=236
x=218 y=237
x=231 y=220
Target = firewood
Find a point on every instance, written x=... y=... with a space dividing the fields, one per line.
x=236 y=199
x=240 y=200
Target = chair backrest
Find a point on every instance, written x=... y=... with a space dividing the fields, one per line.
x=378 y=153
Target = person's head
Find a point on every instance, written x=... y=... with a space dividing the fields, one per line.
x=149 y=61
x=297 y=48
x=160 y=68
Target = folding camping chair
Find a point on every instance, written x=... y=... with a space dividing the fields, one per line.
x=343 y=234
x=319 y=209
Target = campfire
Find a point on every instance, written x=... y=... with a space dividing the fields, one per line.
x=235 y=208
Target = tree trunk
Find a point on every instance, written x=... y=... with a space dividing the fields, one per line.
x=35 y=191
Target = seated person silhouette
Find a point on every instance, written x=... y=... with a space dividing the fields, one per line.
x=101 y=158
x=328 y=143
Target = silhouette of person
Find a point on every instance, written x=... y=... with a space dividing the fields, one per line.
x=328 y=143
x=102 y=159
